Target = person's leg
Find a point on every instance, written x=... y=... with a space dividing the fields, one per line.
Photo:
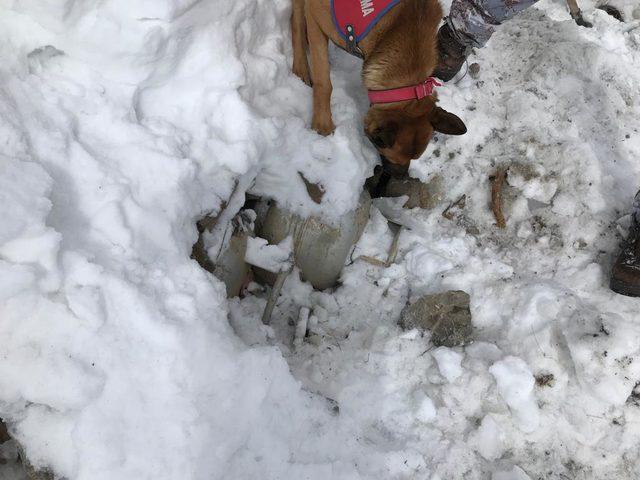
x=625 y=275
x=470 y=24
x=474 y=21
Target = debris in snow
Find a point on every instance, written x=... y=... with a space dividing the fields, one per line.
x=393 y=250
x=497 y=181
x=515 y=384
x=634 y=398
x=301 y=326
x=315 y=191
x=273 y=258
x=320 y=249
x=474 y=70
x=447 y=315
x=545 y=380
x=455 y=208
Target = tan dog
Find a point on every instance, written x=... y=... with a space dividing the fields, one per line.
x=399 y=51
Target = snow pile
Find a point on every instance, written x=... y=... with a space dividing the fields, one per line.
x=122 y=124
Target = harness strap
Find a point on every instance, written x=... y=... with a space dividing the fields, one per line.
x=352 y=43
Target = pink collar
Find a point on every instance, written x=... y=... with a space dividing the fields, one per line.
x=401 y=94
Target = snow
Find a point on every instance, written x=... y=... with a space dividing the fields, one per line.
x=123 y=123
x=515 y=384
x=274 y=258
x=489 y=440
x=448 y=363
x=514 y=474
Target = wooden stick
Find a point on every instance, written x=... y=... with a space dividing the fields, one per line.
x=496 y=196
x=460 y=203
x=274 y=295
x=392 y=254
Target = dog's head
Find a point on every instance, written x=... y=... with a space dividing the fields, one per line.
x=401 y=132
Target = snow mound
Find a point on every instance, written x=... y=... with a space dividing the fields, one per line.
x=123 y=123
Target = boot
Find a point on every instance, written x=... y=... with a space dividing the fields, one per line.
x=452 y=53
x=625 y=275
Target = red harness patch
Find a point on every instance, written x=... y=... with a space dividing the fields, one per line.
x=360 y=15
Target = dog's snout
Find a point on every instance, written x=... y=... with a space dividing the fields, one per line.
x=394 y=169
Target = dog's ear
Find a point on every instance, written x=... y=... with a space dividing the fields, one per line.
x=384 y=136
x=447 y=123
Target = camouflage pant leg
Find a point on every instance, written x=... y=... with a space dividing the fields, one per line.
x=475 y=20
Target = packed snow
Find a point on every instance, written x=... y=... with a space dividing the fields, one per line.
x=123 y=123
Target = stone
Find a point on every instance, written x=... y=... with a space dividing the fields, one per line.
x=421 y=195
x=447 y=315
x=474 y=70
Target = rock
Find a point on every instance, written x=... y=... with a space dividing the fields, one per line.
x=421 y=195
x=474 y=70
x=446 y=315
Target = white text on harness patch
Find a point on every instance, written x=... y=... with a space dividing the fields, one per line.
x=367 y=7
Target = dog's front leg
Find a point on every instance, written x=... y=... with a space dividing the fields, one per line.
x=322 y=88
x=299 y=40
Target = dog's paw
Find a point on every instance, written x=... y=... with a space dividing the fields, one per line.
x=324 y=126
x=301 y=70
